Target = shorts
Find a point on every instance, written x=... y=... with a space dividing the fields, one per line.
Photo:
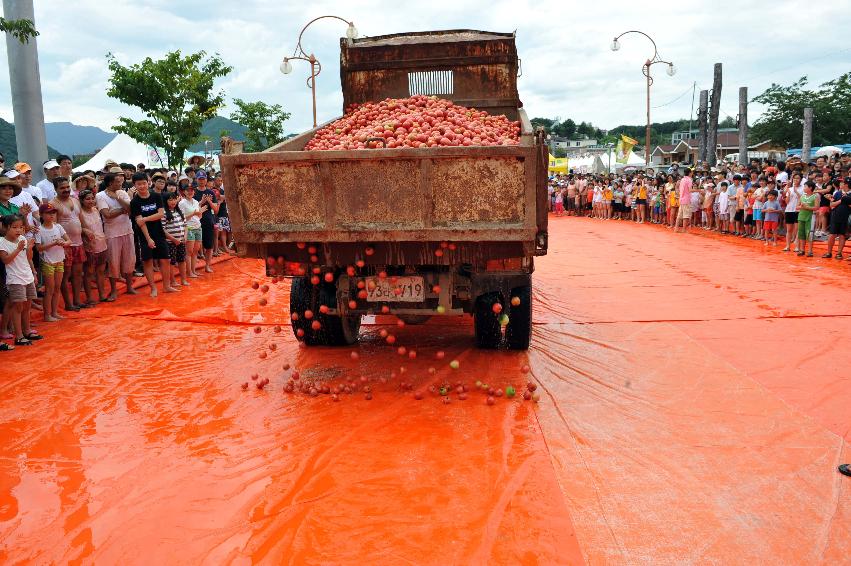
x=739 y=216
x=757 y=214
x=749 y=220
x=96 y=259
x=838 y=224
x=570 y=203
x=805 y=228
x=657 y=209
x=731 y=209
x=207 y=235
x=684 y=212
x=74 y=255
x=770 y=225
x=193 y=234
x=48 y=269
x=641 y=201
x=159 y=251
x=177 y=252
x=224 y=224
x=22 y=293
x=4 y=291
x=824 y=209
x=790 y=217
x=121 y=257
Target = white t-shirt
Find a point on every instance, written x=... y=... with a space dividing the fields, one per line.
x=18 y=272
x=782 y=177
x=792 y=200
x=47 y=190
x=34 y=192
x=26 y=198
x=121 y=224
x=94 y=222
x=187 y=207
x=53 y=254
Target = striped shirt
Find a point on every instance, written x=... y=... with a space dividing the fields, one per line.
x=176 y=228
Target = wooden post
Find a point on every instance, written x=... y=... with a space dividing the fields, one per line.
x=701 y=126
x=714 y=110
x=808 y=135
x=647 y=129
x=743 y=125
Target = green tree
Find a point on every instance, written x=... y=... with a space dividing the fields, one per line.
x=545 y=122
x=23 y=30
x=783 y=119
x=175 y=93
x=265 y=123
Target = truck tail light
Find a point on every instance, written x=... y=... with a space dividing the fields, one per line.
x=511 y=264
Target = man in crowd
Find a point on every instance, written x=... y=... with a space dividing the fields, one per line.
x=68 y=216
x=206 y=197
x=147 y=210
x=114 y=206
x=51 y=171
x=25 y=202
x=26 y=178
x=65 y=166
x=684 y=213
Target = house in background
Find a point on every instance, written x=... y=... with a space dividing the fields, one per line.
x=685 y=150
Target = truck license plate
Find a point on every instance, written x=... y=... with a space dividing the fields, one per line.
x=404 y=290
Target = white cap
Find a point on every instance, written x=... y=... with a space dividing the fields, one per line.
x=11 y=173
x=50 y=164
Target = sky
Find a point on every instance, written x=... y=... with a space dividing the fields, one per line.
x=568 y=68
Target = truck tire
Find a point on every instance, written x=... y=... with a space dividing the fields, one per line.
x=518 y=333
x=335 y=330
x=488 y=332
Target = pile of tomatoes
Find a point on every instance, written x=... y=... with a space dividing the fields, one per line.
x=418 y=121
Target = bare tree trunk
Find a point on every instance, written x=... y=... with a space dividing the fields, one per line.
x=701 y=126
x=808 y=135
x=715 y=109
x=25 y=81
x=743 y=125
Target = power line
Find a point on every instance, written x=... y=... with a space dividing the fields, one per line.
x=676 y=99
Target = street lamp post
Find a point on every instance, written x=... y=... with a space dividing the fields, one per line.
x=645 y=70
x=609 y=148
x=315 y=66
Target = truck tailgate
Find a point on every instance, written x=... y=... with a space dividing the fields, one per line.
x=414 y=195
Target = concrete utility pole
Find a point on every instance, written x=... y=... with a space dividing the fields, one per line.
x=743 y=125
x=715 y=109
x=808 y=135
x=26 y=91
x=701 y=125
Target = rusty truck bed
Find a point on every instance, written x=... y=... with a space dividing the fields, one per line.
x=460 y=194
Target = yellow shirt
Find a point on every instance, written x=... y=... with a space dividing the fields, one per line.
x=642 y=192
x=607 y=193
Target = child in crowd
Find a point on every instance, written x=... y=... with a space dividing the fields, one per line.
x=758 y=200
x=192 y=211
x=51 y=241
x=608 y=196
x=175 y=232
x=558 y=197
x=808 y=204
x=95 y=243
x=723 y=208
x=771 y=214
x=20 y=279
x=749 y=223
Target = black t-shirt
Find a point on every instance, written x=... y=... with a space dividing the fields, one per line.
x=146 y=207
x=208 y=215
x=223 y=210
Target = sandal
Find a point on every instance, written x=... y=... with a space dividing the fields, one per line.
x=838 y=256
x=5 y=336
x=34 y=336
x=23 y=342
x=845 y=469
x=5 y=347
x=827 y=255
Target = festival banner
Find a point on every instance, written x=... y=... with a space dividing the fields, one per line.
x=624 y=148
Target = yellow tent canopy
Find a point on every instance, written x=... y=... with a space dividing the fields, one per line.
x=558 y=164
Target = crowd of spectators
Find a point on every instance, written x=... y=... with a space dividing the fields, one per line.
x=68 y=241
x=790 y=201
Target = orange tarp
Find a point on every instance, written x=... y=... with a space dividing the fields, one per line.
x=694 y=407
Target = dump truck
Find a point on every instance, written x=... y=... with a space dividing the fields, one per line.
x=415 y=232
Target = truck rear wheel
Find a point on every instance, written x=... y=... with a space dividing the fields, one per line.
x=488 y=333
x=518 y=334
x=334 y=330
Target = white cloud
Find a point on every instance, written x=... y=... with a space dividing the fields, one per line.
x=568 y=69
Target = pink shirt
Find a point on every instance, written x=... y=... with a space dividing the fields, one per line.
x=685 y=189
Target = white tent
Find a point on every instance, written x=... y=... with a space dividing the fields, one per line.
x=586 y=164
x=633 y=161
x=124 y=149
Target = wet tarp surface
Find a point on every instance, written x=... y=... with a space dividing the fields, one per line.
x=695 y=402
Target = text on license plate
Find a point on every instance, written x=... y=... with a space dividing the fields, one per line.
x=404 y=290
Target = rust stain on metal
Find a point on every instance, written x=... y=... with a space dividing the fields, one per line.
x=378 y=193
x=270 y=193
x=472 y=191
